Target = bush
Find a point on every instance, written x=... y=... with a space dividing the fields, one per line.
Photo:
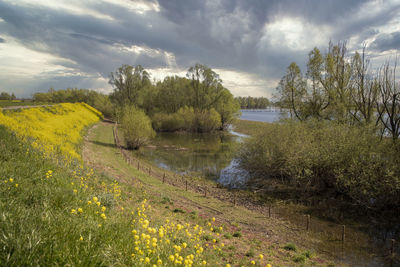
x=186 y=119
x=208 y=120
x=136 y=127
x=326 y=155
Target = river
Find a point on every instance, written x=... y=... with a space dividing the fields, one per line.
x=208 y=155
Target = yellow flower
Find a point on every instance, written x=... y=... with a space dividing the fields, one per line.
x=146 y=260
x=171 y=257
x=98 y=203
x=81 y=238
x=227 y=265
x=103 y=216
x=73 y=211
x=268 y=265
x=75 y=191
x=16 y=185
x=89 y=202
x=103 y=209
x=253 y=262
x=80 y=210
x=261 y=256
x=159 y=261
x=95 y=199
x=11 y=180
x=204 y=262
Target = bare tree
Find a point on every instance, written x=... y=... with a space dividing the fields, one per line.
x=388 y=103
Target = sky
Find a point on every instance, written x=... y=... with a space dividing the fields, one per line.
x=77 y=44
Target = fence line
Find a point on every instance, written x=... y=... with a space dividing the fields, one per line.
x=337 y=233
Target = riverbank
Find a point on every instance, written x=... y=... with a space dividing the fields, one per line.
x=324 y=238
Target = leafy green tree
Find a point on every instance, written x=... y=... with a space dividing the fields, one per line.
x=136 y=127
x=227 y=107
x=129 y=82
x=206 y=86
x=292 y=90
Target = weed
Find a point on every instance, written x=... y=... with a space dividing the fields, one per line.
x=290 y=246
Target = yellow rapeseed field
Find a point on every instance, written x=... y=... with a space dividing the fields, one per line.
x=54 y=128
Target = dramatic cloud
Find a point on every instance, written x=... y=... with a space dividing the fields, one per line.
x=76 y=43
x=385 y=42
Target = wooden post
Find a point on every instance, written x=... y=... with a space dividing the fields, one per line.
x=392 y=241
x=149 y=170
x=269 y=211
x=308 y=222
x=163 y=178
x=205 y=191
x=234 y=198
x=186 y=185
x=138 y=166
x=343 y=233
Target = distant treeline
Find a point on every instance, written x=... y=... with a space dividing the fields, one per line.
x=253 y=102
x=72 y=95
x=7 y=96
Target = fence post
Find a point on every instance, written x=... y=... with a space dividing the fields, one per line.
x=308 y=222
x=205 y=191
x=163 y=178
x=186 y=185
x=138 y=165
x=343 y=233
x=392 y=241
x=234 y=198
x=149 y=170
x=269 y=211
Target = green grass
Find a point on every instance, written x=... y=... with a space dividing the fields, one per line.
x=36 y=224
x=249 y=127
x=37 y=227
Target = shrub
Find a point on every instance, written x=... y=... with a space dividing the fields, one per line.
x=326 y=155
x=136 y=127
x=208 y=121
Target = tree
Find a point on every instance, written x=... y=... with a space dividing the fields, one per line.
x=363 y=90
x=5 y=96
x=205 y=83
x=227 y=107
x=292 y=90
x=129 y=83
x=136 y=127
x=388 y=103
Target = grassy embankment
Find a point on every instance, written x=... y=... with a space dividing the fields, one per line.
x=53 y=214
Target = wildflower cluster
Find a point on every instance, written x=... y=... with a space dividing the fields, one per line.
x=49 y=174
x=10 y=183
x=93 y=207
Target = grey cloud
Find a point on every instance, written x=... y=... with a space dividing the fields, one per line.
x=222 y=34
x=385 y=41
x=2 y=40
